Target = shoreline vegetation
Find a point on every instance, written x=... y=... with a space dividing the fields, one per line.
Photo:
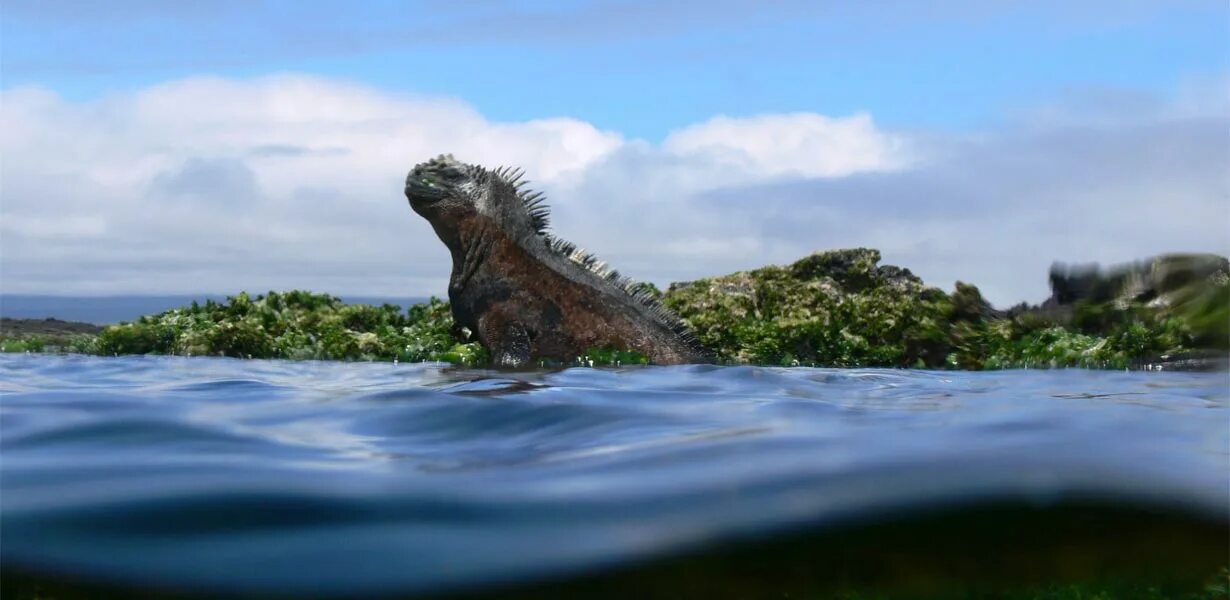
x=838 y=308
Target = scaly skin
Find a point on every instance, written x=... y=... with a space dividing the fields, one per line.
x=526 y=295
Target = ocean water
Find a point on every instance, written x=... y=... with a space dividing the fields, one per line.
x=215 y=475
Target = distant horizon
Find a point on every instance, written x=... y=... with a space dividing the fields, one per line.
x=213 y=295
x=105 y=310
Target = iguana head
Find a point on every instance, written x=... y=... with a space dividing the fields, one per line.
x=457 y=198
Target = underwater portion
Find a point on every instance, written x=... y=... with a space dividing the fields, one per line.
x=214 y=475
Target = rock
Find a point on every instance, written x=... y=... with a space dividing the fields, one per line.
x=1142 y=281
x=1193 y=289
x=833 y=308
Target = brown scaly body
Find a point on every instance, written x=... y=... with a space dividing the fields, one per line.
x=525 y=294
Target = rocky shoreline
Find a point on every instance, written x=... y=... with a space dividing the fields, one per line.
x=836 y=308
x=49 y=326
x=38 y=335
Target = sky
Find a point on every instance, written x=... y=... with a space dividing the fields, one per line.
x=152 y=147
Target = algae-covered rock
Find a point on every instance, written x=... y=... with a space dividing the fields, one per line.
x=834 y=308
x=295 y=325
x=1142 y=281
x=1168 y=304
x=842 y=308
x=46 y=335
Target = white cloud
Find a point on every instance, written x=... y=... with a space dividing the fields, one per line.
x=296 y=181
x=798 y=144
x=218 y=185
x=272 y=183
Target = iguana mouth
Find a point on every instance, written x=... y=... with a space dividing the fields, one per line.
x=422 y=188
x=428 y=180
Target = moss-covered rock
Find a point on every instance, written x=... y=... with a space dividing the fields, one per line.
x=1166 y=306
x=295 y=325
x=837 y=308
x=833 y=308
x=841 y=308
x=46 y=335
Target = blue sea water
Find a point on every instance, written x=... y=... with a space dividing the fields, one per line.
x=322 y=478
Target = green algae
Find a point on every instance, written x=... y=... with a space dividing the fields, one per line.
x=40 y=343
x=833 y=309
x=296 y=325
x=839 y=308
x=74 y=344
x=610 y=357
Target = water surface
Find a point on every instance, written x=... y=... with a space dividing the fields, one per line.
x=356 y=478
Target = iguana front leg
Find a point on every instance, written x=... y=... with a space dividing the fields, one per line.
x=509 y=341
x=462 y=333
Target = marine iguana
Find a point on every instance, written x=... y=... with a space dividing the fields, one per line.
x=525 y=293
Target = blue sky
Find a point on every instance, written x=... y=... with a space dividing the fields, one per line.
x=598 y=98
x=642 y=68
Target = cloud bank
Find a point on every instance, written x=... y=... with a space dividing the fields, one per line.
x=217 y=185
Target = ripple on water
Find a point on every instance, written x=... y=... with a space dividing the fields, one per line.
x=379 y=477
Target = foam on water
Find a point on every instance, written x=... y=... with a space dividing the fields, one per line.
x=313 y=477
